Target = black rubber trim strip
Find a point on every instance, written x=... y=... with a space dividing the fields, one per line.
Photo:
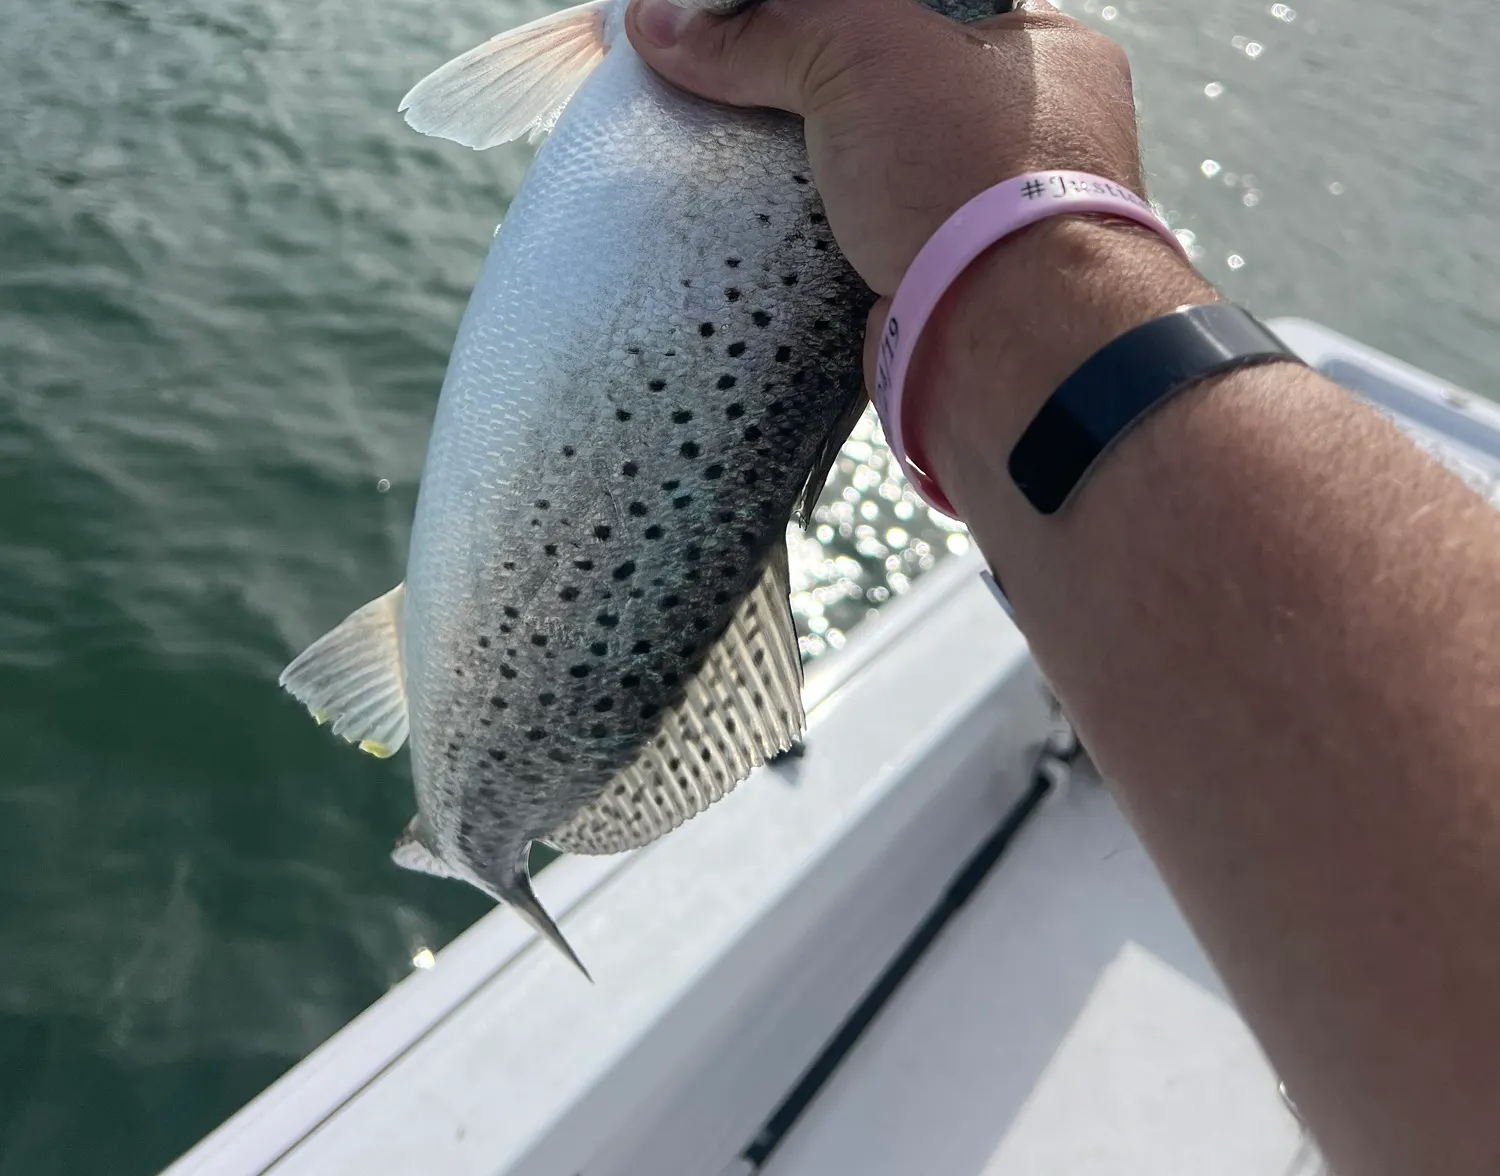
x=959 y=891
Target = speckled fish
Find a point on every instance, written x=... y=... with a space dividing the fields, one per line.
x=658 y=364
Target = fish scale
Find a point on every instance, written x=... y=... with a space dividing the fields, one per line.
x=593 y=641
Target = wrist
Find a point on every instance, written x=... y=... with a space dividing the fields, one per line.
x=1018 y=322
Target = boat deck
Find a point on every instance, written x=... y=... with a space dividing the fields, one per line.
x=1065 y=1021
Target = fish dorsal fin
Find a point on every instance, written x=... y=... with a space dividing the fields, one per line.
x=742 y=708
x=411 y=852
x=513 y=84
x=353 y=676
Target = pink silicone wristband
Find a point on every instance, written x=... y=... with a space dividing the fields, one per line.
x=990 y=217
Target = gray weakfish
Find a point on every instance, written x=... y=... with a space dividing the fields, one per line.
x=655 y=371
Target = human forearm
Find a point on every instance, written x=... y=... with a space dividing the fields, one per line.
x=1275 y=622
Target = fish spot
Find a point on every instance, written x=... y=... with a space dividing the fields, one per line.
x=759 y=700
x=581 y=670
x=636 y=593
x=584 y=565
x=783 y=354
x=732 y=262
x=512 y=613
x=687 y=283
x=497 y=755
x=731 y=294
x=707 y=754
x=656 y=385
x=722 y=598
x=630 y=681
x=700 y=624
x=692 y=553
x=622 y=414
x=690 y=449
x=726 y=515
x=638 y=509
x=688 y=650
x=535 y=734
x=798 y=178
x=546 y=698
x=735 y=350
x=749 y=538
x=558 y=756
x=608 y=620
x=763 y=217
x=505 y=628
x=713 y=472
x=625 y=570
x=788 y=279
x=821 y=244
x=670 y=484
x=550 y=549
x=706 y=329
x=509 y=566
x=543 y=504
x=691 y=575
x=752 y=433
x=821 y=324
x=459 y=670
x=569 y=593
x=670 y=679
x=569 y=451
x=507 y=672
x=650 y=710
x=726 y=382
x=599 y=649
x=759 y=656
x=630 y=469
x=604 y=704
x=734 y=411
x=750 y=476
x=598 y=731
x=760 y=318
x=817 y=218
x=670 y=601
x=602 y=531
x=484 y=643
x=539 y=639
x=681 y=501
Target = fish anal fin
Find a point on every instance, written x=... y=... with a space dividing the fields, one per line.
x=354 y=677
x=514 y=84
x=742 y=708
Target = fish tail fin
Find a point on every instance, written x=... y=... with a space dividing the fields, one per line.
x=517 y=892
x=513 y=84
x=354 y=676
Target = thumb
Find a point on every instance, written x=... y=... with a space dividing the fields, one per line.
x=777 y=53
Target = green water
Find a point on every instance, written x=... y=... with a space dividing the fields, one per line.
x=229 y=277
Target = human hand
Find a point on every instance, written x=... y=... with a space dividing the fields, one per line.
x=908 y=114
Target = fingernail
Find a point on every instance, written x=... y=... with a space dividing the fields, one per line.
x=660 y=21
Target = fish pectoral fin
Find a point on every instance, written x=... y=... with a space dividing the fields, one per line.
x=354 y=676
x=412 y=853
x=742 y=708
x=513 y=84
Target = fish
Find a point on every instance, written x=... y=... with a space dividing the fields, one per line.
x=653 y=376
